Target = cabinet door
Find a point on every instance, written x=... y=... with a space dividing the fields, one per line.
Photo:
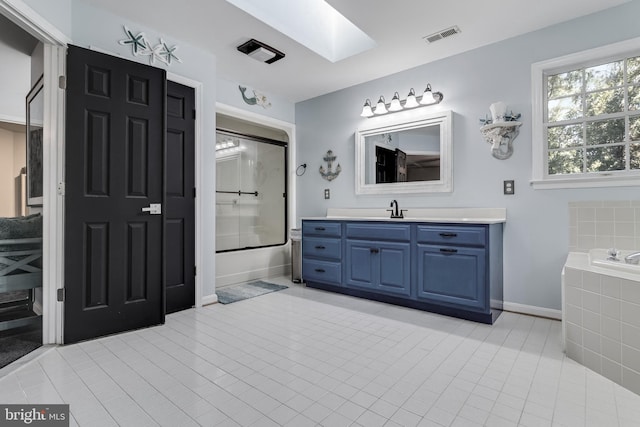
x=393 y=268
x=452 y=275
x=360 y=269
x=378 y=266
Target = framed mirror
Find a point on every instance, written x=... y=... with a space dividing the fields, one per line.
x=405 y=153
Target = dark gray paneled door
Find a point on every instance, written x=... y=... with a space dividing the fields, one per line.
x=180 y=198
x=114 y=168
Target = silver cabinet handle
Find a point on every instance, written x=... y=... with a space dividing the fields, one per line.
x=153 y=209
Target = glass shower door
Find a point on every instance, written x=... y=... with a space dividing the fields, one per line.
x=250 y=192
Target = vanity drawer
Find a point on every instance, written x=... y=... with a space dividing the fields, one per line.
x=453 y=235
x=378 y=231
x=320 y=247
x=321 y=228
x=314 y=270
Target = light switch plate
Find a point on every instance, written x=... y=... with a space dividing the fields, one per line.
x=509 y=187
x=327 y=193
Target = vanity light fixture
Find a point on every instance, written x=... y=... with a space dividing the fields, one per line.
x=429 y=97
x=395 y=103
x=381 y=106
x=366 y=109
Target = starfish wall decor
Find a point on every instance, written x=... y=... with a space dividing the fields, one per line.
x=140 y=46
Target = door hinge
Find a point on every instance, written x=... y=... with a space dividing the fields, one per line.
x=61 y=189
x=194 y=192
x=60 y=296
x=194 y=114
x=62 y=82
x=194 y=270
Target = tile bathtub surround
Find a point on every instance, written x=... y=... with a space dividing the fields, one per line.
x=303 y=357
x=604 y=224
x=602 y=325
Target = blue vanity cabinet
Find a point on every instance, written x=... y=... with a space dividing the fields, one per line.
x=378 y=257
x=378 y=266
x=322 y=252
x=452 y=275
x=459 y=267
x=452 y=269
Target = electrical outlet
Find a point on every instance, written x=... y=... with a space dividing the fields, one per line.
x=509 y=187
x=327 y=193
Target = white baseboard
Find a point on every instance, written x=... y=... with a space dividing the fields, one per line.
x=533 y=310
x=209 y=299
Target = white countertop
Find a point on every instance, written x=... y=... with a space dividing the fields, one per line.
x=450 y=215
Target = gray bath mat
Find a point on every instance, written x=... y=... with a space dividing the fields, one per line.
x=235 y=293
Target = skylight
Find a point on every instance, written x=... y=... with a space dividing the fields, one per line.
x=313 y=23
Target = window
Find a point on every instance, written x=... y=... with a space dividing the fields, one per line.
x=586 y=129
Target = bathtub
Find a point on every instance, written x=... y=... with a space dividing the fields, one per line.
x=598 y=258
x=601 y=315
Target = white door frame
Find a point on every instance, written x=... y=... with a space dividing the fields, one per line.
x=53 y=160
x=200 y=165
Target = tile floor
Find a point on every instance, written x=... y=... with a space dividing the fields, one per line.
x=302 y=357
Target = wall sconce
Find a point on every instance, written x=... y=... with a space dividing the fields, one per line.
x=428 y=98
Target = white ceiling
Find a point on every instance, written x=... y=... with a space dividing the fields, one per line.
x=398 y=27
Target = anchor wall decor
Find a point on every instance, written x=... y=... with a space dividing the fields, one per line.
x=328 y=174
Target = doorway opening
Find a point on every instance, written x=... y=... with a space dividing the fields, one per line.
x=243 y=251
x=20 y=206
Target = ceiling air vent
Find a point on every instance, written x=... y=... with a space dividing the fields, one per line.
x=442 y=34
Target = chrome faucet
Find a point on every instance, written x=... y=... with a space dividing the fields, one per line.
x=633 y=258
x=395 y=211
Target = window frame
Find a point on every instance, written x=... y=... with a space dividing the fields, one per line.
x=539 y=147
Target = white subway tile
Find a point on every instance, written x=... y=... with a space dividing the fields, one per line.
x=610 y=307
x=611 y=328
x=630 y=291
x=592 y=360
x=612 y=350
x=612 y=370
x=574 y=333
x=591 y=301
x=573 y=277
x=591 y=341
x=630 y=313
x=591 y=321
x=630 y=335
x=630 y=358
x=610 y=286
x=624 y=214
x=631 y=380
x=591 y=281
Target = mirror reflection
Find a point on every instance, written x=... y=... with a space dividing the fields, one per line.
x=409 y=152
x=404 y=156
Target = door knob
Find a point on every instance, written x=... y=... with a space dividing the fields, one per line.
x=153 y=209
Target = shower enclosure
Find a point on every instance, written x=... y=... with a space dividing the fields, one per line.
x=251 y=192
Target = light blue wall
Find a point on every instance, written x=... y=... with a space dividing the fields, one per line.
x=229 y=94
x=101 y=29
x=536 y=233
x=56 y=12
